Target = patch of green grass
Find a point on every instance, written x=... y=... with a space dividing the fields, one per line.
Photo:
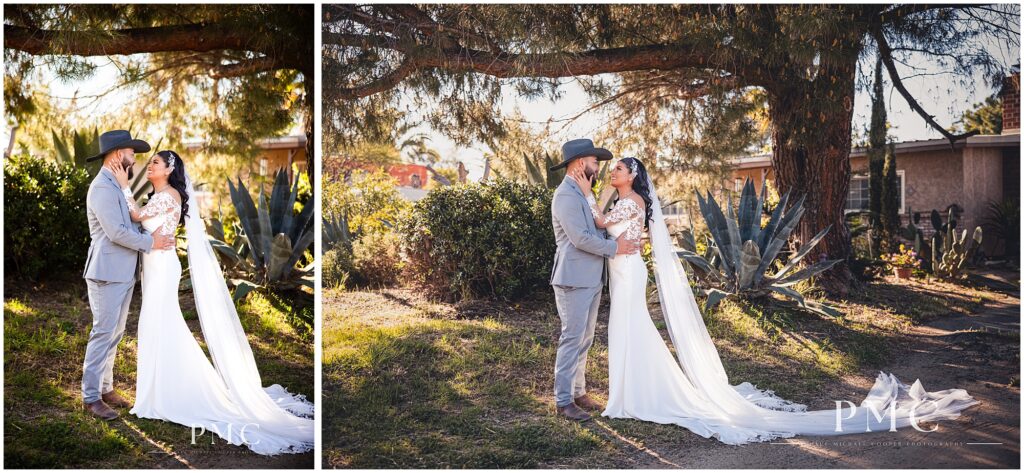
x=45 y=335
x=410 y=383
x=72 y=440
x=421 y=392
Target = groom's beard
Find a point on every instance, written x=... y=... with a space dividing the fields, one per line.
x=130 y=168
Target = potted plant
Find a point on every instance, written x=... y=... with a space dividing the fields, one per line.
x=903 y=262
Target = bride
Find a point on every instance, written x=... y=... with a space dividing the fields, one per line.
x=646 y=382
x=175 y=380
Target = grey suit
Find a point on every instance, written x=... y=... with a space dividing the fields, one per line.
x=577 y=278
x=110 y=271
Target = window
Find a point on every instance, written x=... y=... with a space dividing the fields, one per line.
x=673 y=209
x=859 y=195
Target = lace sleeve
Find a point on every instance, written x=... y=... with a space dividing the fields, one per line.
x=593 y=206
x=160 y=203
x=623 y=210
x=129 y=199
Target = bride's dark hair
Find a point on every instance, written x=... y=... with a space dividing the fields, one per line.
x=176 y=180
x=640 y=186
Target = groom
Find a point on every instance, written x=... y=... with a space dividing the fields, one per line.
x=110 y=270
x=578 y=275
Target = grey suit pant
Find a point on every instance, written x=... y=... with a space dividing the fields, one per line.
x=577 y=308
x=109 y=302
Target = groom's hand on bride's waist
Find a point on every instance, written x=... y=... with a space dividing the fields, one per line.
x=163 y=242
x=625 y=246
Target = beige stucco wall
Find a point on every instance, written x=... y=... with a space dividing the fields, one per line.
x=969 y=177
x=932 y=179
x=983 y=183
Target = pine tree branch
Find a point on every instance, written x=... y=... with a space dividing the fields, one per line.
x=550 y=65
x=885 y=52
x=385 y=82
x=193 y=37
x=244 y=68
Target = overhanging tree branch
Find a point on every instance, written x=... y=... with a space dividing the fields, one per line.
x=385 y=82
x=550 y=65
x=885 y=52
x=244 y=68
x=362 y=41
x=193 y=37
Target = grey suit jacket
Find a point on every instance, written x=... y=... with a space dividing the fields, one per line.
x=116 y=240
x=582 y=247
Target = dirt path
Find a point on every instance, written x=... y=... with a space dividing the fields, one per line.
x=979 y=353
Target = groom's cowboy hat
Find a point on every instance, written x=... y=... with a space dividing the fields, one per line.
x=118 y=139
x=578 y=149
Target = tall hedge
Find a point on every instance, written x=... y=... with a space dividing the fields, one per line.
x=480 y=240
x=45 y=226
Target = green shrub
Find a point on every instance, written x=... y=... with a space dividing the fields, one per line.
x=377 y=259
x=480 y=240
x=45 y=224
x=337 y=267
x=370 y=202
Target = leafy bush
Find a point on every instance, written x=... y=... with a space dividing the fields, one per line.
x=376 y=259
x=480 y=240
x=45 y=224
x=337 y=267
x=370 y=201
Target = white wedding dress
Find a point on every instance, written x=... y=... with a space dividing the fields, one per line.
x=176 y=381
x=646 y=382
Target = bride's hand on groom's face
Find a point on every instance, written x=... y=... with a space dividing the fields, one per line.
x=581 y=179
x=120 y=173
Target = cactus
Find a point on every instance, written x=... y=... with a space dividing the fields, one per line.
x=955 y=252
x=743 y=252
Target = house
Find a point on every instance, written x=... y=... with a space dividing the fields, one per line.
x=413 y=179
x=275 y=153
x=410 y=175
x=282 y=152
x=933 y=175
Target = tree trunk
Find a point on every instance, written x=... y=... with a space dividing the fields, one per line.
x=811 y=122
x=308 y=127
x=890 y=200
x=876 y=161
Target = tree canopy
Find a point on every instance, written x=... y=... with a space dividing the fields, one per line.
x=449 y=63
x=226 y=74
x=985 y=117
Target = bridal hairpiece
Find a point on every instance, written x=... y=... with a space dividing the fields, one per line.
x=170 y=160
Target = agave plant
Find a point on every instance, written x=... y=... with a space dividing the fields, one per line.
x=335 y=233
x=739 y=262
x=542 y=175
x=270 y=239
x=79 y=146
